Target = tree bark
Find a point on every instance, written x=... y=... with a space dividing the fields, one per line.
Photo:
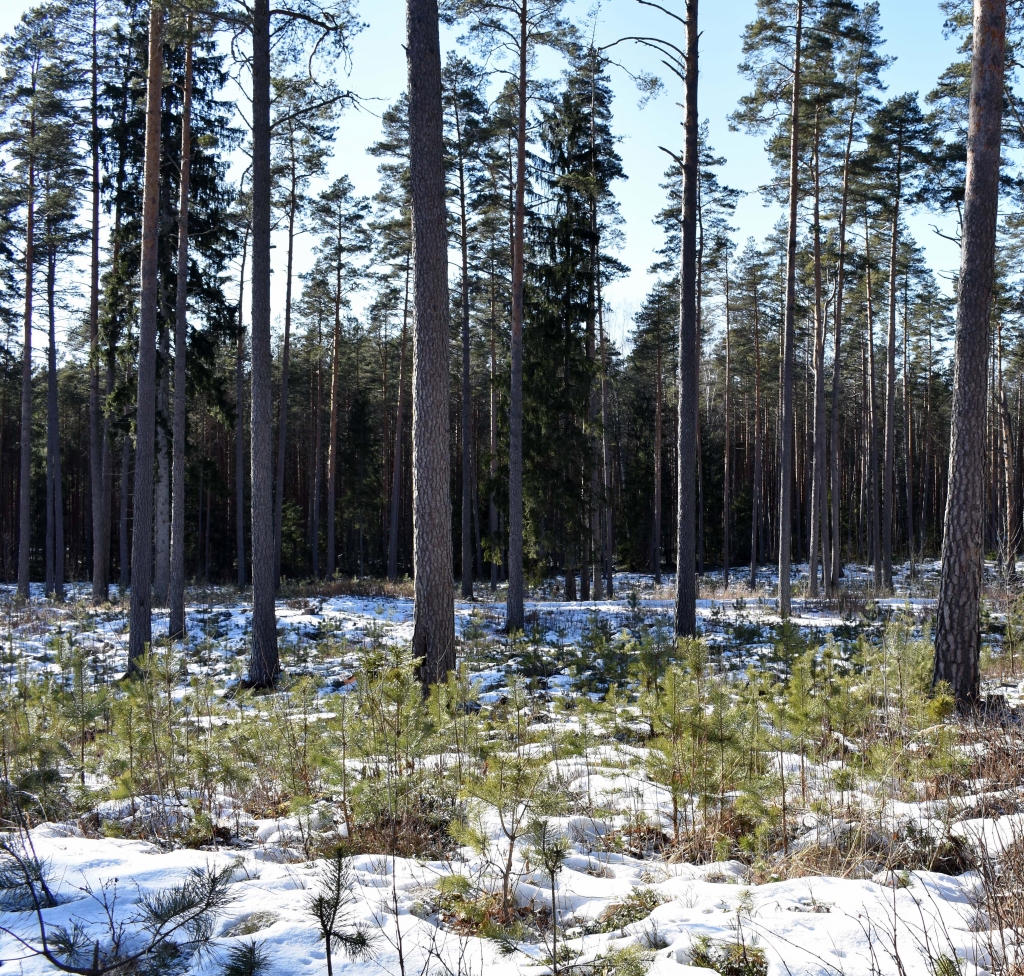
x=819 y=475
x=686 y=583
x=889 y=470
x=433 y=639
x=240 y=423
x=396 y=466
x=467 y=406
x=755 y=518
x=332 y=444
x=54 y=481
x=1012 y=543
x=786 y=418
x=162 y=488
x=282 y=411
x=836 y=566
x=606 y=453
x=263 y=662
x=658 y=395
x=314 y=518
x=25 y=458
x=908 y=426
x=140 y=611
x=492 y=505
x=124 y=548
x=957 y=638
x=514 y=619
x=726 y=503
x=99 y=448
x=875 y=527
x=176 y=624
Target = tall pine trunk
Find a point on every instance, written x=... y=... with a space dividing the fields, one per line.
x=99 y=446
x=467 y=405
x=889 y=472
x=786 y=417
x=686 y=459
x=658 y=421
x=176 y=625
x=875 y=526
x=957 y=638
x=54 y=481
x=836 y=566
x=1010 y=530
x=282 y=410
x=514 y=601
x=819 y=475
x=396 y=466
x=162 y=492
x=433 y=640
x=123 y=544
x=606 y=453
x=240 y=423
x=727 y=447
x=25 y=447
x=318 y=413
x=755 y=517
x=263 y=662
x=140 y=611
x=492 y=505
x=956 y=632
x=908 y=426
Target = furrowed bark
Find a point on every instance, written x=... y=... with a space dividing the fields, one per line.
x=433 y=640
x=786 y=418
x=140 y=611
x=263 y=661
x=176 y=624
x=957 y=637
x=686 y=583
x=514 y=620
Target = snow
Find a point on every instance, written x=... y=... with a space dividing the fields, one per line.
x=807 y=926
x=899 y=923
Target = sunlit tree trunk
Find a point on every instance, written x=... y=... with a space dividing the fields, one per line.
x=786 y=417
x=875 y=526
x=889 y=470
x=957 y=638
x=819 y=475
x=396 y=466
x=99 y=443
x=263 y=661
x=25 y=447
x=433 y=640
x=140 y=613
x=176 y=623
x=686 y=583
x=240 y=423
x=514 y=601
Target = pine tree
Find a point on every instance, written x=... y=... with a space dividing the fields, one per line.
x=519 y=27
x=433 y=641
x=957 y=636
x=333 y=25
x=140 y=620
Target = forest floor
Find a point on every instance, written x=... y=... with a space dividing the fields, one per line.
x=782 y=800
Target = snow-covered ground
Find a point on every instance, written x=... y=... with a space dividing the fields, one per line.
x=611 y=891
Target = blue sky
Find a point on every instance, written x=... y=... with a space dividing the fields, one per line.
x=913 y=32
